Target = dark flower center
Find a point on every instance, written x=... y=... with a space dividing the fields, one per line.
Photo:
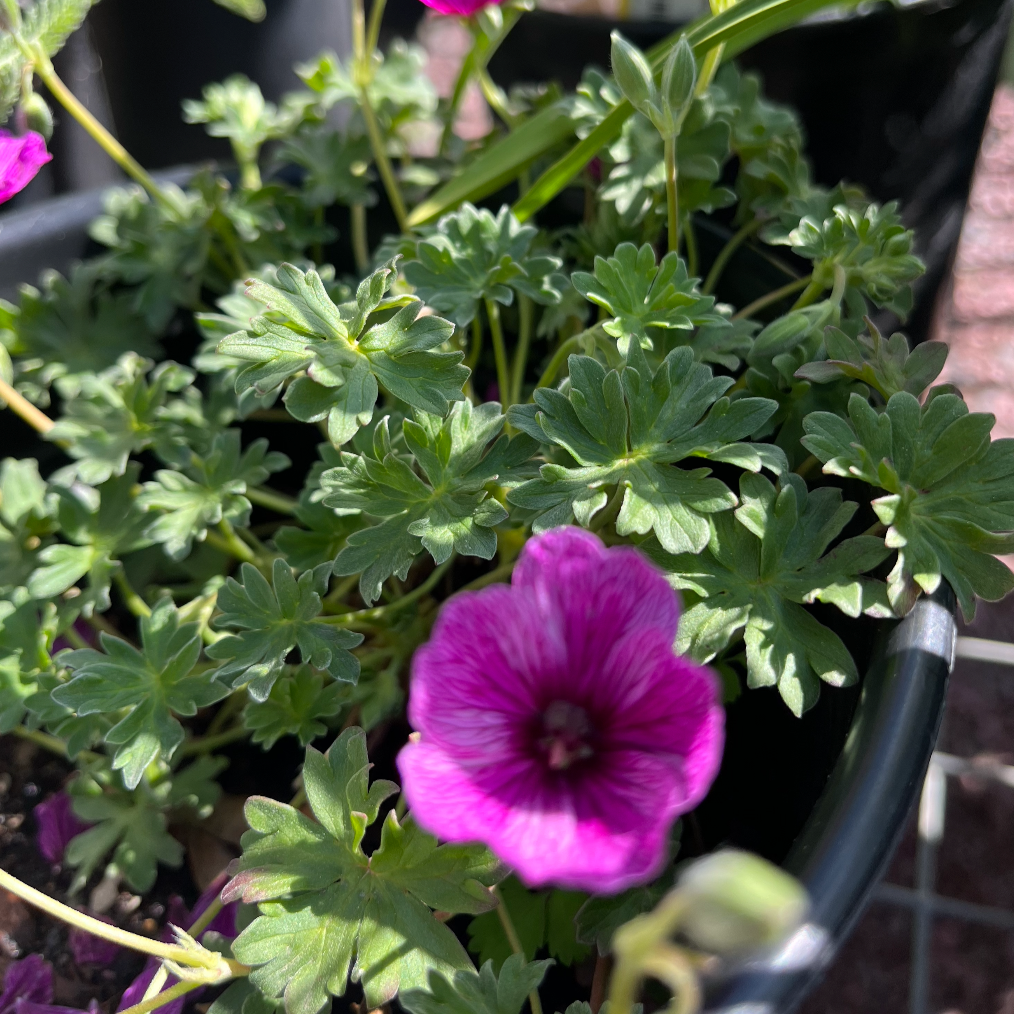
x=565 y=736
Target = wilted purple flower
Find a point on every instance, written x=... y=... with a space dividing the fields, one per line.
x=554 y=722
x=30 y=979
x=224 y=922
x=57 y=825
x=91 y=950
x=21 y=157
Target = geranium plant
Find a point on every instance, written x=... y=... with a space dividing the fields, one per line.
x=566 y=500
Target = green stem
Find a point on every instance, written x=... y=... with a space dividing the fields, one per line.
x=501 y=573
x=379 y=612
x=514 y=940
x=611 y=509
x=709 y=67
x=476 y=349
x=373 y=32
x=205 y=744
x=131 y=599
x=160 y=999
x=460 y=84
x=277 y=502
x=735 y=242
x=360 y=245
x=233 y=703
x=249 y=173
x=20 y=405
x=503 y=378
x=104 y=931
x=690 y=238
x=810 y=294
x=204 y=919
x=671 y=197
x=43 y=739
x=234 y=544
x=561 y=354
x=525 y=313
x=772 y=297
x=383 y=163
x=105 y=140
x=496 y=97
x=75 y=638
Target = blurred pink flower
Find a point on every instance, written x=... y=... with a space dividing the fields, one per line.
x=21 y=157
x=555 y=723
x=57 y=825
x=92 y=950
x=461 y=8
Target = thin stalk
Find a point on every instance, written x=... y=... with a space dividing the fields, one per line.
x=360 y=246
x=105 y=140
x=75 y=638
x=204 y=919
x=373 y=32
x=563 y=351
x=810 y=293
x=131 y=599
x=460 y=84
x=600 y=981
x=161 y=999
x=496 y=97
x=807 y=466
x=235 y=545
x=525 y=313
x=233 y=703
x=611 y=509
x=515 y=942
x=671 y=197
x=379 y=612
x=772 y=297
x=476 y=349
x=690 y=239
x=383 y=163
x=205 y=744
x=709 y=67
x=277 y=502
x=503 y=377
x=105 y=931
x=340 y=590
x=735 y=242
x=43 y=739
x=20 y=405
x=249 y=173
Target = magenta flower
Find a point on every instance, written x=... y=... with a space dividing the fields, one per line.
x=461 y=8
x=28 y=980
x=92 y=950
x=57 y=825
x=21 y=157
x=554 y=722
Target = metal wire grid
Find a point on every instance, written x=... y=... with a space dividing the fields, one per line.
x=922 y=899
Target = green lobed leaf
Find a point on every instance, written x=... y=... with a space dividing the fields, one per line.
x=444 y=509
x=294 y=707
x=485 y=992
x=762 y=563
x=149 y=687
x=949 y=491
x=273 y=619
x=626 y=430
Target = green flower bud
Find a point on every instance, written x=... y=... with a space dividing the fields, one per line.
x=679 y=76
x=737 y=902
x=38 y=115
x=632 y=73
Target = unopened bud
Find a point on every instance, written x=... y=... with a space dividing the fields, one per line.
x=679 y=76
x=737 y=902
x=632 y=73
x=38 y=115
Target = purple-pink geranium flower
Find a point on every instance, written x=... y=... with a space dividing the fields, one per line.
x=30 y=979
x=57 y=825
x=92 y=950
x=461 y=8
x=556 y=725
x=21 y=157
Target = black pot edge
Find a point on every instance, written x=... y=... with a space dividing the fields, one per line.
x=854 y=829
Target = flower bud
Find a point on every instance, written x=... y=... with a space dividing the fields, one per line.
x=632 y=73
x=736 y=902
x=38 y=115
x=679 y=76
